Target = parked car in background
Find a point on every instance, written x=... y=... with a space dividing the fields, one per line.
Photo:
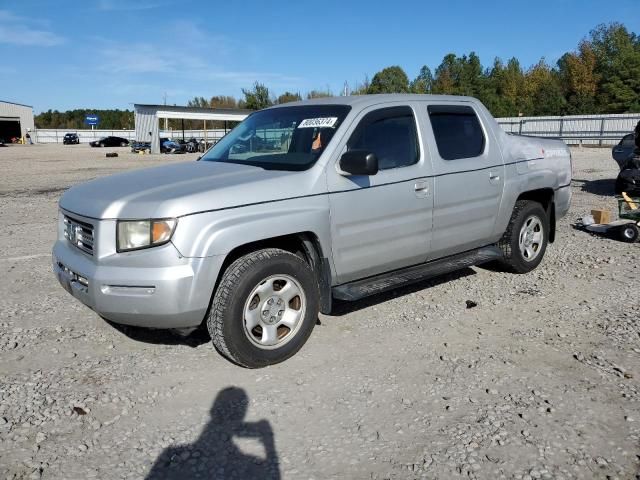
x=168 y=145
x=624 y=149
x=191 y=146
x=342 y=198
x=71 y=139
x=138 y=146
x=110 y=142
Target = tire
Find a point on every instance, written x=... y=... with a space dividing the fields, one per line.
x=629 y=233
x=247 y=291
x=525 y=241
x=123 y=144
x=101 y=144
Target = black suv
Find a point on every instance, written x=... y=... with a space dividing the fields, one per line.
x=71 y=139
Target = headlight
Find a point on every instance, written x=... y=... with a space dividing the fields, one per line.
x=137 y=234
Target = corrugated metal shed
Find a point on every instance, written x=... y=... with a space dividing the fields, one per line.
x=15 y=116
x=147 y=119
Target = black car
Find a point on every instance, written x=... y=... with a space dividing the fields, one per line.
x=71 y=139
x=110 y=142
x=629 y=177
x=623 y=150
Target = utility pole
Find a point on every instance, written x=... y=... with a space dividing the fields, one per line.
x=166 y=120
x=345 y=90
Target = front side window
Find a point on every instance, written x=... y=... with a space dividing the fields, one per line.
x=286 y=138
x=390 y=133
x=457 y=131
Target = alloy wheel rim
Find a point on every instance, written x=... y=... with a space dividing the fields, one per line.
x=531 y=238
x=274 y=311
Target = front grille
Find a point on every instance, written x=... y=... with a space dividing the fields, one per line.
x=79 y=234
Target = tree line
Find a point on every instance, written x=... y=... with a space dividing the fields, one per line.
x=74 y=119
x=602 y=75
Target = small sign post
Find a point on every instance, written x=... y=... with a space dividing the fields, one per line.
x=91 y=119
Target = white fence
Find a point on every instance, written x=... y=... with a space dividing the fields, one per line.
x=56 y=135
x=600 y=130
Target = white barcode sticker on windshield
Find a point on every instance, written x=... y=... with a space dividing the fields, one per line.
x=326 y=122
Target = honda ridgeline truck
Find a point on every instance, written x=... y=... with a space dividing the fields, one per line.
x=304 y=203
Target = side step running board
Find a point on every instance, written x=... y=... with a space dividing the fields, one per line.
x=390 y=280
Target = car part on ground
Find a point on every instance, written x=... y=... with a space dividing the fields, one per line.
x=625 y=229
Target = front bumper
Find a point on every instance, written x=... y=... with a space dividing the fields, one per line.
x=159 y=289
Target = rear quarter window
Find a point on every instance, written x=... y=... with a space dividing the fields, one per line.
x=457 y=131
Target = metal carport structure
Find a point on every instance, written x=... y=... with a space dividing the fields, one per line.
x=147 y=119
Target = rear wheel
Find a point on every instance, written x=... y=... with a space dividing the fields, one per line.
x=264 y=308
x=525 y=241
x=629 y=233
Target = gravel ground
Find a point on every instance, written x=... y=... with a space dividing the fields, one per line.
x=540 y=380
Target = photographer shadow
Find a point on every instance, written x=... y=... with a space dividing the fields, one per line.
x=215 y=455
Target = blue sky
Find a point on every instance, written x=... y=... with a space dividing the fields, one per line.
x=112 y=53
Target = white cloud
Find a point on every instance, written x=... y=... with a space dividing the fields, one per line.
x=124 y=5
x=194 y=61
x=17 y=30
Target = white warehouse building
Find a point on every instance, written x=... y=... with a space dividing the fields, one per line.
x=15 y=120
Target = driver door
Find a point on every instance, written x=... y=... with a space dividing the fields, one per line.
x=382 y=222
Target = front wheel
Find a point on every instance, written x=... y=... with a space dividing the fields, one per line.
x=525 y=241
x=264 y=308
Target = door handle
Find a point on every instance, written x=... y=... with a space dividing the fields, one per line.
x=494 y=176
x=421 y=187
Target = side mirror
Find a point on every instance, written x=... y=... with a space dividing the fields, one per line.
x=359 y=162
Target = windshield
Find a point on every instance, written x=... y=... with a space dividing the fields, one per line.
x=287 y=138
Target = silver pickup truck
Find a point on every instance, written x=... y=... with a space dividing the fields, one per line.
x=303 y=203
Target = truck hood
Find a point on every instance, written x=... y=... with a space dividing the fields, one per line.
x=180 y=189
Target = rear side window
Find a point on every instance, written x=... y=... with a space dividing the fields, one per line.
x=390 y=133
x=457 y=131
x=628 y=140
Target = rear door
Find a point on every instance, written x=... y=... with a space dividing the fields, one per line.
x=382 y=222
x=469 y=178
